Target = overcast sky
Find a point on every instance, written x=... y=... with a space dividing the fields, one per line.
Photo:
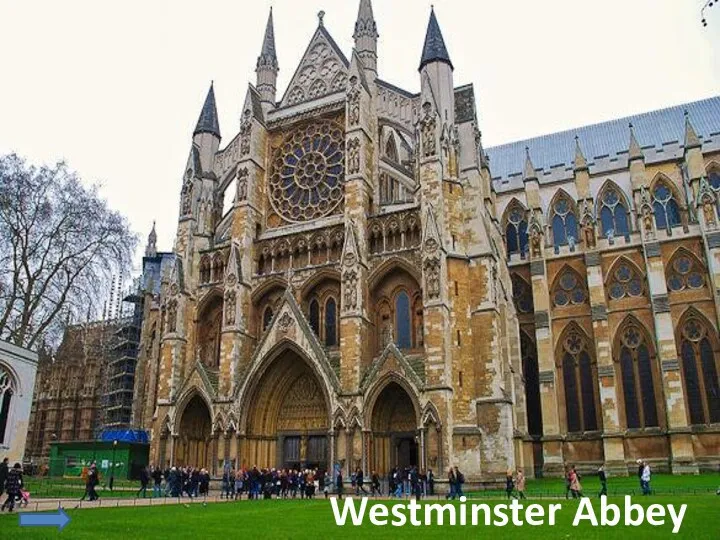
x=115 y=88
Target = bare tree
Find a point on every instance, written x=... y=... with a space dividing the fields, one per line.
x=59 y=245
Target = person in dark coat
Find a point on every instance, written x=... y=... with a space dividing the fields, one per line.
x=144 y=481
x=4 y=468
x=90 y=483
x=13 y=485
x=430 y=482
x=603 y=481
x=360 y=482
x=339 y=484
x=156 y=475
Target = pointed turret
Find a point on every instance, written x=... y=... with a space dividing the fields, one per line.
x=580 y=163
x=634 y=150
x=208 y=121
x=434 y=49
x=529 y=169
x=691 y=138
x=366 y=37
x=151 y=247
x=267 y=65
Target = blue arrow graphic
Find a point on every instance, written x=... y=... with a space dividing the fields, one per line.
x=55 y=519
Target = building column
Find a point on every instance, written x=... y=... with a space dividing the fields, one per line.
x=613 y=445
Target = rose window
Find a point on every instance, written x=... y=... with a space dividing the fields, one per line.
x=307 y=173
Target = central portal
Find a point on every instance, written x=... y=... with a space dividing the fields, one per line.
x=287 y=421
x=394 y=430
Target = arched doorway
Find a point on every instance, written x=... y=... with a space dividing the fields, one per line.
x=394 y=430
x=193 y=445
x=287 y=420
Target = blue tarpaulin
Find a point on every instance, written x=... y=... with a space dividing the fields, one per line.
x=125 y=435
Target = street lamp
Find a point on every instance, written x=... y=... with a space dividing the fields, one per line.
x=112 y=465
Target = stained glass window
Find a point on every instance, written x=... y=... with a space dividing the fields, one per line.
x=532 y=383
x=625 y=282
x=307 y=172
x=637 y=378
x=522 y=295
x=564 y=222
x=613 y=213
x=685 y=273
x=698 y=356
x=569 y=289
x=667 y=211
x=403 y=339
x=579 y=380
x=714 y=179
x=516 y=233
x=314 y=316
x=330 y=322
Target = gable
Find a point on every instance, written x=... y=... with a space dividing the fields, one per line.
x=322 y=71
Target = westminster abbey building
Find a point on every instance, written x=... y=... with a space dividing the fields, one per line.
x=382 y=290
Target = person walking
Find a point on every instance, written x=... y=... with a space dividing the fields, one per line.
x=452 y=484
x=603 y=481
x=645 y=478
x=575 y=486
x=460 y=480
x=4 y=469
x=375 y=484
x=520 y=484
x=156 y=476
x=430 y=482
x=509 y=484
x=640 y=472
x=360 y=482
x=13 y=486
x=90 y=483
x=144 y=481
x=568 y=471
x=339 y=484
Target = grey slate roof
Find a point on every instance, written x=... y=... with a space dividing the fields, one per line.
x=208 y=121
x=652 y=129
x=434 y=49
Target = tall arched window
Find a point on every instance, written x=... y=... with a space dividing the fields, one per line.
x=267 y=318
x=218 y=267
x=714 y=179
x=613 y=213
x=6 y=394
x=667 y=211
x=516 y=233
x=637 y=377
x=564 y=221
x=532 y=384
x=391 y=151
x=579 y=382
x=403 y=337
x=314 y=316
x=331 y=322
x=209 y=332
x=699 y=358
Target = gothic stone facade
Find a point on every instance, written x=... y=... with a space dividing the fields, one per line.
x=355 y=303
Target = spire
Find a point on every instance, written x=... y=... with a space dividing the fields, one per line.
x=366 y=35
x=151 y=248
x=208 y=121
x=691 y=138
x=268 y=56
x=434 y=49
x=634 y=151
x=580 y=161
x=529 y=170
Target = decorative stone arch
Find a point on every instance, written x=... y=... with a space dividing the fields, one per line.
x=431 y=438
x=617 y=282
x=564 y=218
x=183 y=401
x=355 y=419
x=392 y=263
x=392 y=418
x=560 y=284
x=662 y=178
x=194 y=448
x=275 y=282
x=218 y=424
x=557 y=196
x=602 y=202
x=339 y=419
x=514 y=203
x=207 y=298
x=674 y=270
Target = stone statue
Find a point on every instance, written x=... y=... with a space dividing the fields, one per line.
x=353 y=100
x=353 y=156
x=230 y=308
x=242 y=178
x=427 y=131
x=709 y=213
x=535 y=243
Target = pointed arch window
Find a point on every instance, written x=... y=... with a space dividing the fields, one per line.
x=685 y=273
x=625 y=282
x=6 y=395
x=579 y=380
x=667 y=211
x=637 y=378
x=614 y=213
x=391 y=151
x=331 y=322
x=714 y=180
x=403 y=338
x=699 y=359
x=522 y=295
x=531 y=375
x=569 y=289
x=564 y=222
x=267 y=318
x=314 y=316
x=516 y=231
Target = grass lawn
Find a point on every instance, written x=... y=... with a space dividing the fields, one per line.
x=314 y=519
